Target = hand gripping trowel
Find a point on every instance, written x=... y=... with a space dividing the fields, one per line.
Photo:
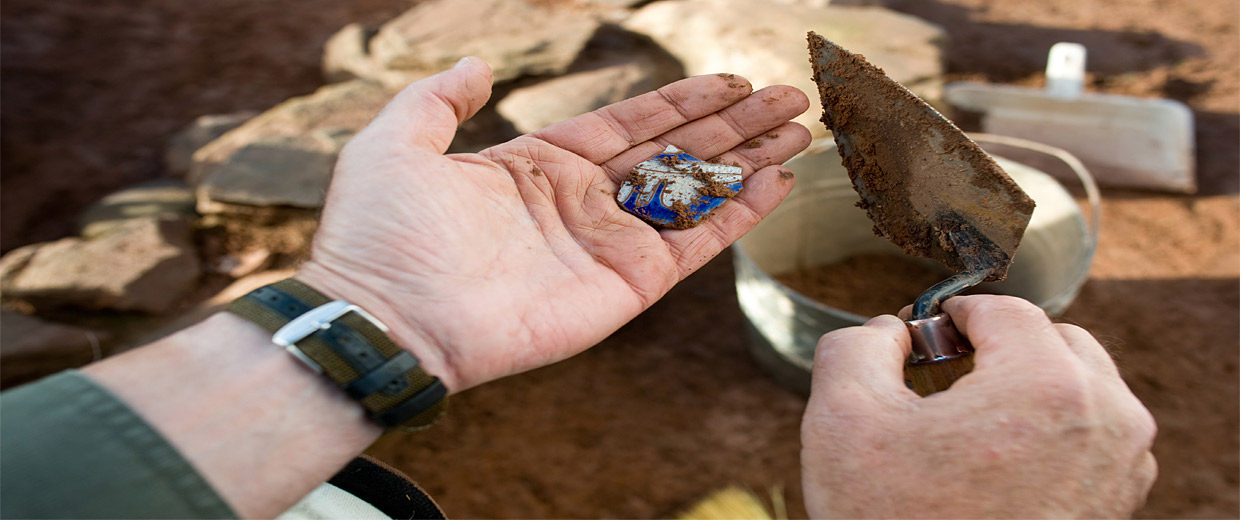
x=929 y=189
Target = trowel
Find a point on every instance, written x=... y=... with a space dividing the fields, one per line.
x=929 y=189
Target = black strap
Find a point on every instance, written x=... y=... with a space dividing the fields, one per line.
x=351 y=346
x=412 y=406
x=388 y=378
x=280 y=301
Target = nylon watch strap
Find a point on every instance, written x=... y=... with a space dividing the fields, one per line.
x=353 y=350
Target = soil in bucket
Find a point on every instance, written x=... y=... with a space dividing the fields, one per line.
x=867 y=284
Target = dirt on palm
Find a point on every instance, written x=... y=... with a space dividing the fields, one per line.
x=671 y=407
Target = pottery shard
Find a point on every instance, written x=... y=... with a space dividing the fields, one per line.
x=165 y=198
x=144 y=265
x=743 y=37
x=616 y=65
x=31 y=348
x=179 y=154
x=516 y=38
x=285 y=156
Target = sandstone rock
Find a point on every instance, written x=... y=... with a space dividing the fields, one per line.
x=165 y=199
x=615 y=3
x=615 y=66
x=765 y=42
x=285 y=155
x=516 y=38
x=143 y=265
x=31 y=348
x=179 y=154
x=819 y=4
x=12 y=263
x=346 y=55
x=289 y=170
x=239 y=265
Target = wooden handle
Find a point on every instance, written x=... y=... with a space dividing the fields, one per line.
x=929 y=378
x=941 y=355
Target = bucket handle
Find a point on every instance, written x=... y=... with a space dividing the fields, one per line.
x=1092 y=194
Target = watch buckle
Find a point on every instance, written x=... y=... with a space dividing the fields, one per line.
x=314 y=320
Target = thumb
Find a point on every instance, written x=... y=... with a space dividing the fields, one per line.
x=426 y=112
x=860 y=364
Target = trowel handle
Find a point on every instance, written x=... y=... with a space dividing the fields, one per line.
x=941 y=355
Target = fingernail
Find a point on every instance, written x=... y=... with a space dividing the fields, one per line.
x=461 y=63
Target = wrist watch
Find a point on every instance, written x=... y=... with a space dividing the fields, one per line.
x=350 y=347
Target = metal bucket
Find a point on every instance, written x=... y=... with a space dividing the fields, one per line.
x=819 y=224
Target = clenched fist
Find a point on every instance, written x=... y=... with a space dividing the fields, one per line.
x=1043 y=426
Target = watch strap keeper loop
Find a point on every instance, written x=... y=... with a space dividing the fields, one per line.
x=413 y=406
x=386 y=378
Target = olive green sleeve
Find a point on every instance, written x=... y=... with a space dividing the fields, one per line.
x=70 y=449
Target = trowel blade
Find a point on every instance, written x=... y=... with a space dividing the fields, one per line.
x=924 y=184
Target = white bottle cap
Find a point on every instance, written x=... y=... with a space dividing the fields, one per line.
x=1065 y=70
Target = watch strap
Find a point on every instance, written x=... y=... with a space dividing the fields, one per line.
x=354 y=352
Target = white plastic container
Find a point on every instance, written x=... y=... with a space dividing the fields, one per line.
x=1126 y=141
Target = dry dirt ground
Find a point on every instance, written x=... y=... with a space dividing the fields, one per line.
x=671 y=407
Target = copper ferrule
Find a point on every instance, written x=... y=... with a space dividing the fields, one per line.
x=936 y=339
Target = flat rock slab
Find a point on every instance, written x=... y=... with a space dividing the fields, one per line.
x=165 y=199
x=616 y=3
x=179 y=154
x=285 y=156
x=145 y=265
x=515 y=38
x=292 y=170
x=761 y=41
x=346 y=55
x=615 y=66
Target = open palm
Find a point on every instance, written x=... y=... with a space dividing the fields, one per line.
x=488 y=264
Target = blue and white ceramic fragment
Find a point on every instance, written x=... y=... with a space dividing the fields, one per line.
x=655 y=186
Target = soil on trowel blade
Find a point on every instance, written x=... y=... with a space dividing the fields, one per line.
x=920 y=179
x=866 y=284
